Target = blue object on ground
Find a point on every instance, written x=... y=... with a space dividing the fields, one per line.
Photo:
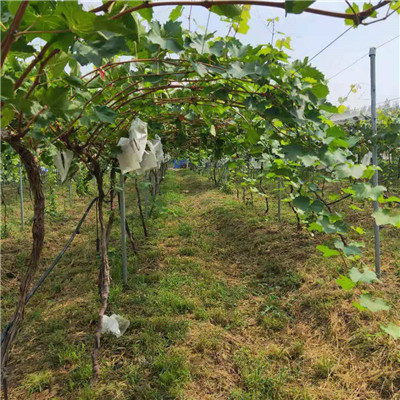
x=181 y=163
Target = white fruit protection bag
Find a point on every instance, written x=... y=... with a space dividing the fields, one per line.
x=133 y=147
x=115 y=324
x=149 y=160
x=158 y=150
x=366 y=160
x=62 y=161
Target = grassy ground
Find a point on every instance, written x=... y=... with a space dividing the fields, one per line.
x=224 y=303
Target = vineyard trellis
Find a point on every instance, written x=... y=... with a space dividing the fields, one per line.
x=207 y=97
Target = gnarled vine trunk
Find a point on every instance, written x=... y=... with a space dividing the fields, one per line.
x=112 y=204
x=104 y=272
x=33 y=172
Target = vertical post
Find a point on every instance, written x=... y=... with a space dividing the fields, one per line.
x=139 y=203
x=21 y=196
x=279 y=200
x=375 y=178
x=70 y=192
x=123 y=229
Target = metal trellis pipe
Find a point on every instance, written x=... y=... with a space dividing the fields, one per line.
x=123 y=229
x=375 y=178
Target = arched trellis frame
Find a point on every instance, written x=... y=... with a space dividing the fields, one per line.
x=243 y=84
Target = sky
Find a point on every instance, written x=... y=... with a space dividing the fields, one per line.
x=310 y=33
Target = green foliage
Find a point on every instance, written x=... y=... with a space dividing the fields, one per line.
x=367 y=276
x=262 y=107
x=176 y=13
x=80 y=375
x=296 y=6
x=366 y=302
x=227 y=10
x=345 y=283
x=323 y=368
x=327 y=251
x=52 y=182
x=258 y=382
x=172 y=372
x=385 y=217
x=185 y=230
x=38 y=381
x=105 y=114
x=392 y=330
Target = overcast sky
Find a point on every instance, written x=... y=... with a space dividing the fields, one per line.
x=310 y=33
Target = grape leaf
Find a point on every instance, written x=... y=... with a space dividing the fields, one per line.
x=7 y=115
x=327 y=251
x=297 y=6
x=227 y=10
x=345 y=283
x=366 y=302
x=384 y=217
x=367 y=276
x=105 y=114
x=176 y=13
x=392 y=330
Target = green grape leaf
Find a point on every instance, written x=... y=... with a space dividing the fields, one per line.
x=392 y=330
x=358 y=229
x=350 y=171
x=308 y=160
x=7 y=115
x=345 y=283
x=55 y=67
x=105 y=114
x=285 y=42
x=56 y=98
x=327 y=251
x=74 y=81
x=302 y=202
x=364 y=191
x=390 y=199
x=385 y=217
x=320 y=90
x=366 y=302
x=395 y=5
x=21 y=46
x=176 y=13
x=227 y=10
x=146 y=13
x=367 y=276
x=353 y=249
x=79 y=21
x=354 y=207
x=297 y=6
x=243 y=25
x=169 y=38
x=7 y=87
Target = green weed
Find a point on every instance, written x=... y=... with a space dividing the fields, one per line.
x=80 y=376
x=172 y=372
x=257 y=380
x=69 y=353
x=184 y=230
x=323 y=368
x=38 y=381
x=188 y=251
